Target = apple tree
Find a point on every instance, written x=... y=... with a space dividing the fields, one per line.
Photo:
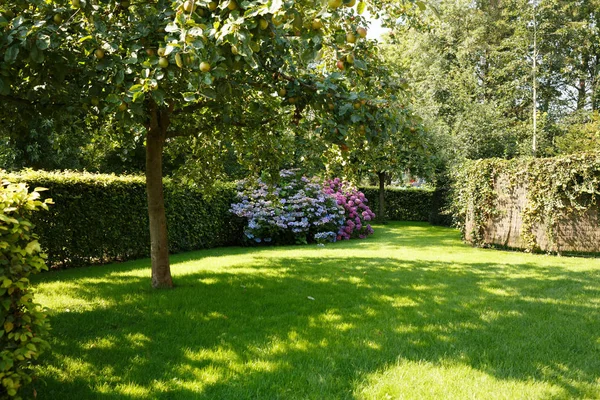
x=196 y=71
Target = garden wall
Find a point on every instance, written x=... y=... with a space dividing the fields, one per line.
x=103 y=218
x=541 y=204
x=572 y=233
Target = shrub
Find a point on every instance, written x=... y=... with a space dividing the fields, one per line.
x=403 y=204
x=295 y=210
x=104 y=218
x=357 y=213
x=23 y=324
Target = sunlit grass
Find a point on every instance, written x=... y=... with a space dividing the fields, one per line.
x=408 y=313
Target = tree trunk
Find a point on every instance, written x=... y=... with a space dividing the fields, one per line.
x=381 y=216
x=159 y=241
x=581 y=94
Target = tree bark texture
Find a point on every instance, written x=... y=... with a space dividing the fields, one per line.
x=381 y=215
x=159 y=241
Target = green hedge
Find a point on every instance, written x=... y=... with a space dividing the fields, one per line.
x=402 y=204
x=103 y=218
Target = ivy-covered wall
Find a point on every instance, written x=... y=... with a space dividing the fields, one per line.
x=548 y=204
x=102 y=218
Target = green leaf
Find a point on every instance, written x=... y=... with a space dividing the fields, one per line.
x=189 y=96
x=43 y=42
x=11 y=54
x=36 y=55
x=85 y=38
x=421 y=5
x=159 y=96
x=113 y=99
x=138 y=97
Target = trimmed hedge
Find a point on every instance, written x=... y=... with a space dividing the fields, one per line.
x=102 y=218
x=409 y=204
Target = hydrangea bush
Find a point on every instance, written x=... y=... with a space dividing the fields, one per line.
x=301 y=210
x=356 y=211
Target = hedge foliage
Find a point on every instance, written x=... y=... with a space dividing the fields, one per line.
x=24 y=325
x=410 y=204
x=103 y=218
x=556 y=187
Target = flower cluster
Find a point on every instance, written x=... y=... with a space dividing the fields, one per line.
x=296 y=210
x=357 y=213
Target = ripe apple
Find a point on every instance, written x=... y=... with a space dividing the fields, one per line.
x=76 y=3
x=317 y=24
x=263 y=23
x=163 y=62
x=356 y=106
x=99 y=54
x=350 y=38
x=282 y=92
x=362 y=32
x=350 y=3
x=122 y=106
x=189 y=6
x=161 y=51
x=340 y=65
x=150 y=52
x=292 y=100
x=334 y=3
x=204 y=66
x=234 y=50
x=212 y=6
x=58 y=19
x=350 y=58
x=232 y=5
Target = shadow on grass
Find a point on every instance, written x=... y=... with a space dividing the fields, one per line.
x=253 y=331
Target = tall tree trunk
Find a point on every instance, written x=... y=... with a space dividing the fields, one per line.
x=159 y=241
x=381 y=216
x=581 y=94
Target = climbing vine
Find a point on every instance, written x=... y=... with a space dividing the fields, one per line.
x=557 y=188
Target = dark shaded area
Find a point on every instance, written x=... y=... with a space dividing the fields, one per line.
x=514 y=322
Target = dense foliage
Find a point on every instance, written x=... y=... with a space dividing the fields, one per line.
x=102 y=218
x=23 y=324
x=474 y=77
x=403 y=204
x=556 y=187
x=297 y=209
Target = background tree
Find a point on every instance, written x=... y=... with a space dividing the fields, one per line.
x=471 y=71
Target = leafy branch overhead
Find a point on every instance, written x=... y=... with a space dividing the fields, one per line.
x=116 y=57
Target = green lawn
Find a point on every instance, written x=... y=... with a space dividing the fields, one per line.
x=410 y=312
